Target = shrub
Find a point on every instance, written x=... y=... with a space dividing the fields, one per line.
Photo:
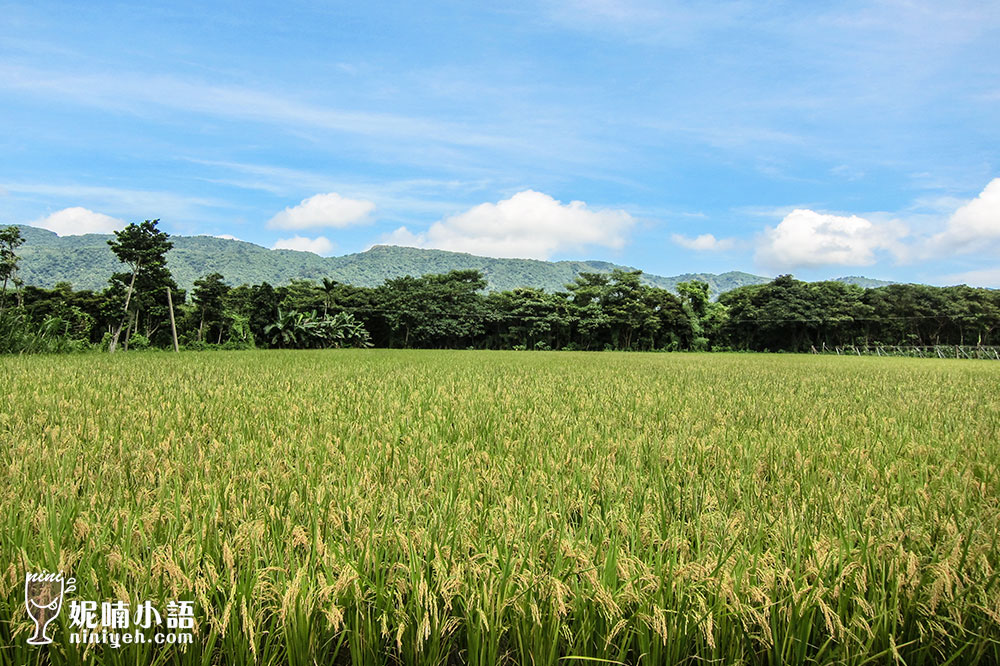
x=138 y=341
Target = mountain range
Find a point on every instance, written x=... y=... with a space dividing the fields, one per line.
x=86 y=262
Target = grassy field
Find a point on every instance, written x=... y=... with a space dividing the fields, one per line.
x=525 y=508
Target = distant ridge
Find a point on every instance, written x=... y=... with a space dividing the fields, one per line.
x=86 y=262
x=867 y=283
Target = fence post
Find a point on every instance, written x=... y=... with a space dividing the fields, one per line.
x=173 y=326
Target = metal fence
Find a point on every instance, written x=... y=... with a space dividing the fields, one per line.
x=981 y=352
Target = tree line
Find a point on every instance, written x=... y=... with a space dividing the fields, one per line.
x=143 y=307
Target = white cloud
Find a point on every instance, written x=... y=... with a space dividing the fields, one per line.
x=974 y=224
x=987 y=277
x=226 y=236
x=704 y=242
x=321 y=245
x=805 y=239
x=323 y=210
x=403 y=236
x=77 y=221
x=528 y=225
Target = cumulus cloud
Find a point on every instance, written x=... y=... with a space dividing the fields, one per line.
x=77 y=221
x=226 y=236
x=974 y=224
x=323 y=210
x=405 y=237
x=704 y=242
x=528 y=225
x=986 y=277
x=807 y=239
x=321 y=245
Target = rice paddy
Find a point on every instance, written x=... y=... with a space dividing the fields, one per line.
x=407 y=507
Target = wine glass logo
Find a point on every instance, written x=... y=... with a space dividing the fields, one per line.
x=43 y=598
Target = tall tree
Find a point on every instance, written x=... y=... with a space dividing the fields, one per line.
x=10 y=240
x=301 y=296
x=529 y=318
x=434 y=310
x=262 y=309
x=588 y=293
x=624 y=304
x=329 y=289
x=617 y=311
x=695 y=294
x=209 y=296
x=699 y=308
x=143 y=248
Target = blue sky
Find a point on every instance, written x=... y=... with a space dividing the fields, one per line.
x=821 y=139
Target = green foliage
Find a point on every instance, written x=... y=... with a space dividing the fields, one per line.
x=792 y=315
x=695 y=294
x=19 y=335
x=598 y=311
x=617 y=311
x=301 y=330
x=138 y=342
x=10 y=241
x=209 y=299
x=433 y=310
x=141 y=246
x=706 y=317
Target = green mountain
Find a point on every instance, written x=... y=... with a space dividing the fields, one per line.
x=866 y=283
x=86 y=262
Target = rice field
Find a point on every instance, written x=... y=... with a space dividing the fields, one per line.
x=407 y=507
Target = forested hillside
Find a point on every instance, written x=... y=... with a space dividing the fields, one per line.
x=86 y=261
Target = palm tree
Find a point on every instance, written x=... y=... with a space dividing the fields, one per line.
x=329 y=286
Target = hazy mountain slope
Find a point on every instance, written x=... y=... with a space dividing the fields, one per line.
x=867 y=283
x=388 y=261
x=86 y=262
